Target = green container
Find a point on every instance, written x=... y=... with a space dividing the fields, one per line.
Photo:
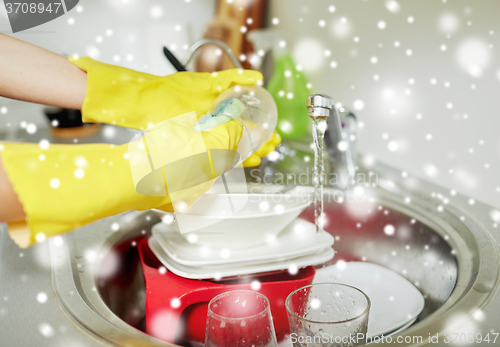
x=288 y=87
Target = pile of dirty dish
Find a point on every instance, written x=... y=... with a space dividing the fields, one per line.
x=227 y=235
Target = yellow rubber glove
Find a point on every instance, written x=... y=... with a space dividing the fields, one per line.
x=116 y=95
x=265 y=149
x=63 y=187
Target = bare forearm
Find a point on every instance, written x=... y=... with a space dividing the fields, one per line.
x=33 y=74
x=11 y=209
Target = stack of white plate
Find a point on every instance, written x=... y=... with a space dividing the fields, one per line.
x=297 y=246
x=226 y=235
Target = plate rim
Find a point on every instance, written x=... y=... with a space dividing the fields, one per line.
x=318 y=245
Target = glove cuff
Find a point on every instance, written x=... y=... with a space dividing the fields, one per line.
x=111 y=91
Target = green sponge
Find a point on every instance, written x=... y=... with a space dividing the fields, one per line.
x=226 y=111
x=233 y=107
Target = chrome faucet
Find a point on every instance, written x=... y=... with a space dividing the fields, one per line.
x=208 y=41
x=340 y=138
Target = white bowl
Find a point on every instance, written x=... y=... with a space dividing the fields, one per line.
x=236 y=221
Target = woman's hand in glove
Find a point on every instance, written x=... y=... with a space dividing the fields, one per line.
x=63 y=187
x=116 y=95
x=265 y=149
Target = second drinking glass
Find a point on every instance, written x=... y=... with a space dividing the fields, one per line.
x=328 y=314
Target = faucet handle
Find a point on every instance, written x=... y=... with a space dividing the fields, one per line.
x=320 y=100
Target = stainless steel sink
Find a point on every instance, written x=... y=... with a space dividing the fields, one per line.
x=446 y=252
x=443 y=244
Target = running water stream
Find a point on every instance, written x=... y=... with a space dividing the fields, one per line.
x=318 y=132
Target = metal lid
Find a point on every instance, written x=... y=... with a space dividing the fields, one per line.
x=320 y=100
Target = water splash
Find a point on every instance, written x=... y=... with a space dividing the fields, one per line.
x=318 y=131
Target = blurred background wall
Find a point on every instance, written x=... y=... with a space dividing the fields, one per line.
x=423 y=76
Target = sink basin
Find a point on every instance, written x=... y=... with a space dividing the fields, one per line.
x=447 y=247
x=444 y=251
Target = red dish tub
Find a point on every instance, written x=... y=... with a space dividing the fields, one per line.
x=176 y=307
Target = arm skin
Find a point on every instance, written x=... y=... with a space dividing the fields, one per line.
x=33 y=74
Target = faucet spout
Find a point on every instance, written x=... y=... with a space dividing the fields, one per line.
x=339 y=140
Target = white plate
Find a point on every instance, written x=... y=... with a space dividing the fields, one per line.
x=298 y=239
x=231 y=270
x=395 y=301
x=400 y=329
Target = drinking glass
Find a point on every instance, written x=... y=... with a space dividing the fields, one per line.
x=240 y=318
x=328 y=315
